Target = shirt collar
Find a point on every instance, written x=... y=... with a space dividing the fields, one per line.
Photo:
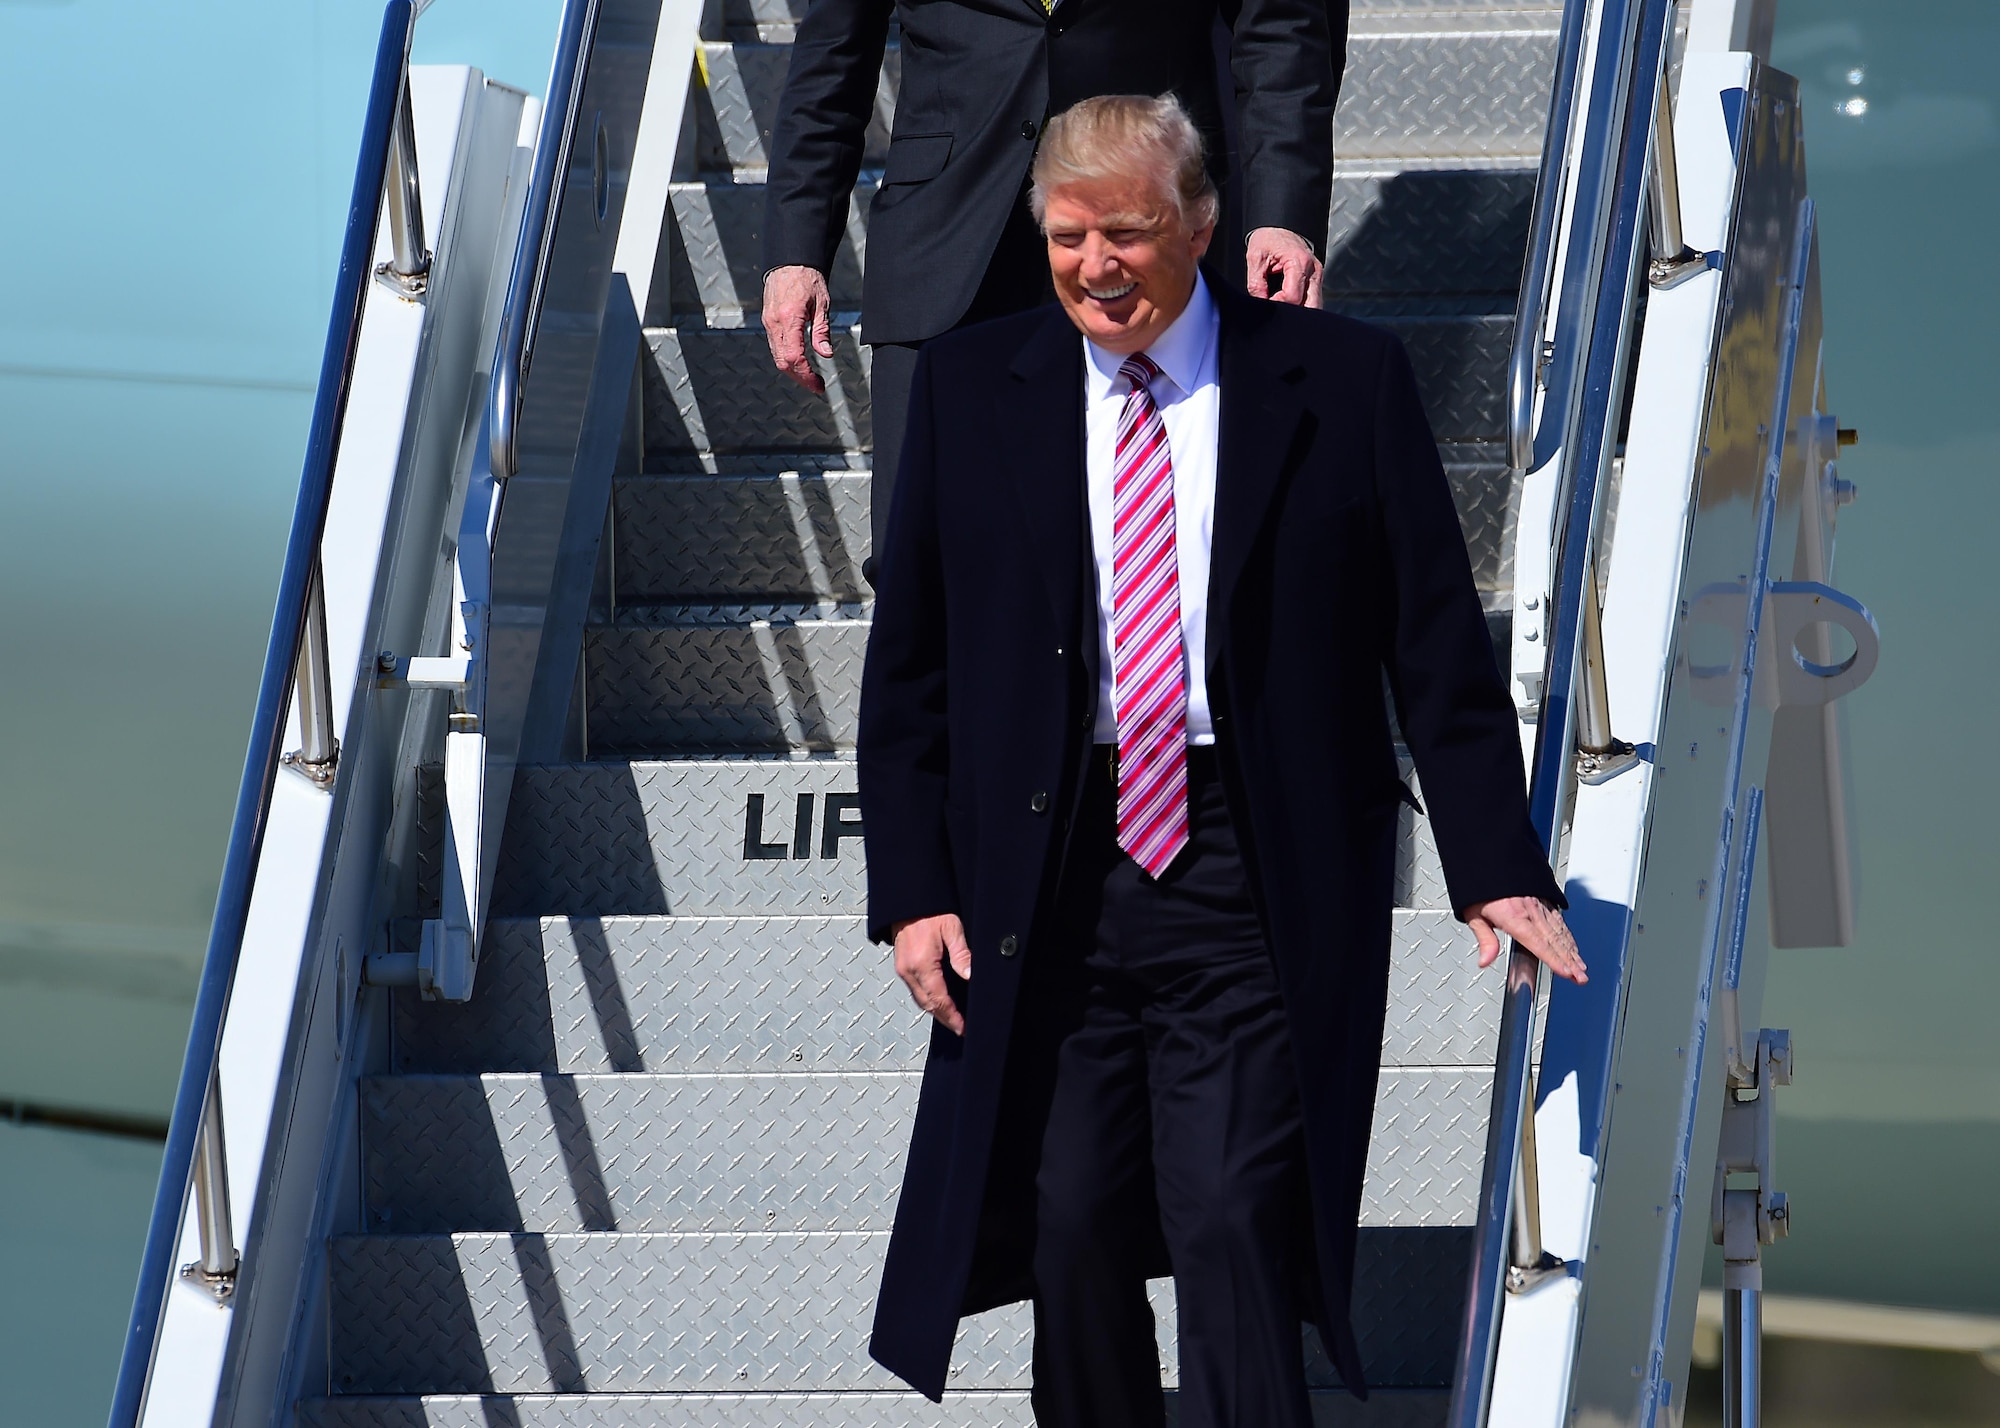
x=1182 y=352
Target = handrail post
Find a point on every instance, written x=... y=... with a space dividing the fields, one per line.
x=1529 y=1263
x=407 y=273
x=215 y=1271
x=1673 y=261
x=1599 y=753
x=318 y=754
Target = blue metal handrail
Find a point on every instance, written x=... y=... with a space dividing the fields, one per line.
x=1606 y=237
x=267 y=731
x=538 y=220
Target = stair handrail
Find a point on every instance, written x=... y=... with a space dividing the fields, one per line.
x=297 y=638
x=1526 y=358
x=538 y=221
x=1607 y=241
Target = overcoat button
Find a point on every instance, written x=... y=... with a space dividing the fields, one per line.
x=1009 y=945
x=1040 y=802
x=1027 y=128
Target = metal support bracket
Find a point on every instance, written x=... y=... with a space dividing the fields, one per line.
x=1745 y=1218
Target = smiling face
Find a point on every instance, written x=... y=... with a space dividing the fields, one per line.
x=1123 y=259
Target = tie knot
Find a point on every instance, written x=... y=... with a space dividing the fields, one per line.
x=1139 y=370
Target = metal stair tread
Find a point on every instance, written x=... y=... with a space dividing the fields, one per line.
x=756 y=993
x=576 y=1313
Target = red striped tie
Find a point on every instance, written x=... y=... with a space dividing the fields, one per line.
x=1148 y=681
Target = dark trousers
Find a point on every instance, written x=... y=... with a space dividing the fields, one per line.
x=1173 y=1112
x=1017 y=278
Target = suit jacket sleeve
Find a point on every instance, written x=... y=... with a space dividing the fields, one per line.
x=822 y=124
x=1286 y=57
x=1454 y=709
x=904 y=746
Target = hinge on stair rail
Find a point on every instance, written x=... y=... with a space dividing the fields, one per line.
x=1745 y=1218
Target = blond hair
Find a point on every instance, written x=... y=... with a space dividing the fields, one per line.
x=1117 y=136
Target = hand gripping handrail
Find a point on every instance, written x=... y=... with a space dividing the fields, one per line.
x=538 y=228
x=197 y=1108
x=1600 y=266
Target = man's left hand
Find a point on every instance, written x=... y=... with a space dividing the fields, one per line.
x=1534 y=925
x=1278 y=254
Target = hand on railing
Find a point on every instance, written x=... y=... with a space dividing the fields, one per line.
x=1534 y=926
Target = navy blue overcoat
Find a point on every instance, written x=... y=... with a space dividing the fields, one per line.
x=1337 y=557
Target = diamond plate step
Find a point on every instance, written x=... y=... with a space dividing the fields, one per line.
x=1426 y=89
x=774 y=836
x=624 y=1313
x=1429 y=231
x=810 y=1151
x=717 y=247
x=682 y=679
x=736 y=103
x=714 y=389
x=796 y=535
x=766 y=994
x=1443 y=89
x=1331 y=1408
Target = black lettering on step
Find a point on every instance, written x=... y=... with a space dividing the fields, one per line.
x=802 y=827
x=838 y=825
x=755 y=849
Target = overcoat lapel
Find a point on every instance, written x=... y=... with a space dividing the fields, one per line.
x=1261 y=408
x=1042 y=417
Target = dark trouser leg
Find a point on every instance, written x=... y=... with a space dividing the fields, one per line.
x=1177 y=1080
x=890 y=368
x=1228 y=1147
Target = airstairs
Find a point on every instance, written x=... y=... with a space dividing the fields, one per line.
x=541 y=1053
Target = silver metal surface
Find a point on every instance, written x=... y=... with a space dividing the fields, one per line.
x=717 y=836
x=745 y=994
x=1672 y=261
x=796 y=535
x=727 y=679
x=215 y=1271
x=1599 y=753
x=717 y=262
x=1742 y=1358
x=407 y=273
x=318 y=754
x=1525 y=358
x=1647 y=1239
x=1331 y=1408
x=718 y=1152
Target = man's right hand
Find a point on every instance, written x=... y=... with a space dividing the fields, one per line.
x=922 y=944
x=796 y=305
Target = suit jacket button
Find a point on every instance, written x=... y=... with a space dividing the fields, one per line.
x=1027 y=128
x=1009 y=945
x=1040 y=802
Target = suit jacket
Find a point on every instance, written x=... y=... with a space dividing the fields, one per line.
x=979 y=77
x=1337 y=557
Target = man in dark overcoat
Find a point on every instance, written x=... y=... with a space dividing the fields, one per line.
x=1124 y=750
x=950 y=238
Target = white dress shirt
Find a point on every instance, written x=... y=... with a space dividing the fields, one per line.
x=1189 y=400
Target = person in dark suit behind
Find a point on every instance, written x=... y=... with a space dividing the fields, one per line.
x=1117 y=755
x=950 y=238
